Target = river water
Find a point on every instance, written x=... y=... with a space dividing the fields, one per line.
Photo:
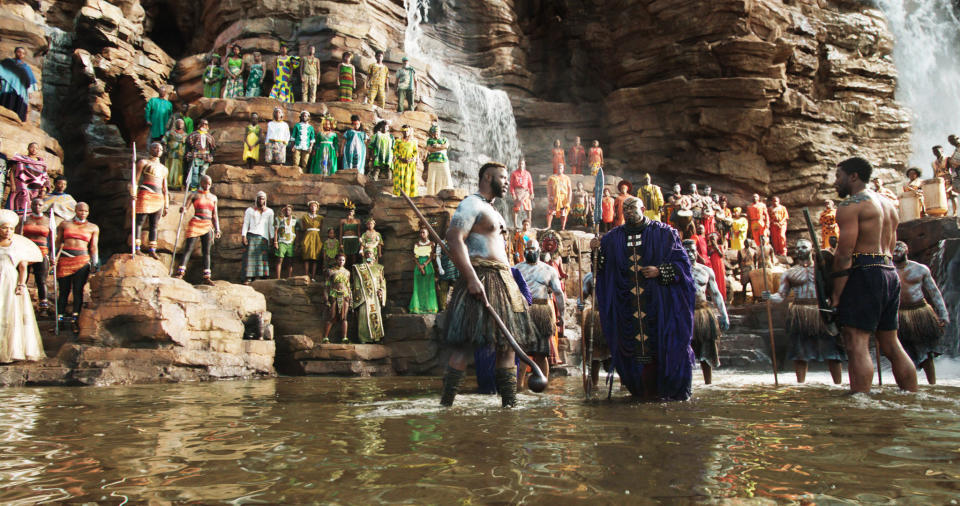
x=363 y=441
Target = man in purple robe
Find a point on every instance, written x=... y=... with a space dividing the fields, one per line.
x=645 y=296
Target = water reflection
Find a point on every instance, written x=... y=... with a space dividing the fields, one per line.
x=294 y=440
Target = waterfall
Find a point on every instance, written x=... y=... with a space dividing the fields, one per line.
x=479 y=120
x=927 y=35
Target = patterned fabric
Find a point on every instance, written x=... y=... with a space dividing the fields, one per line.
x=606 y=209
x=233 y=86
x=158 y=113
x=324 y=161
x=199 y=155
x=377 y=84
x=652 y=199
x=254 y=80
x=406 y=76
x=38 y=232
x=594 y=160
x=174 y=149
x=738 y=233
x=256 y=257
x=521 y=189
x=828 y=227
x=29 y=175
x=559 y=185
x=558 y=159
x=346 y=82
x=150 y=197
x=202 y=220
x=437 y=156
x=281 y=78
x=71 y=261
x=354 y=150
x=303 y=136
x=405 y=168
x=212 y=81
x=578 y=159
x=251 y=146
x=371 y=242
x=368 y=280
x=381 y=147
x=286 y=229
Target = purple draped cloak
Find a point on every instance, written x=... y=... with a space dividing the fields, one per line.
x=669 y=309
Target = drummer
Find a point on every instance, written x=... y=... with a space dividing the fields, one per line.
x=914 y=185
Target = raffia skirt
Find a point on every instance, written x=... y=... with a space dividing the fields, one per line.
x=809 y=338
x=706 y=332
x=592 y=328
x=545 y=323
x=467 y=324
x=919 y=333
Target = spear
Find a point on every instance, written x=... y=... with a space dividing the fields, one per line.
x=56 y=290
x=133 y=208
x=539 y=381
x=176 y=241
x=773 y=348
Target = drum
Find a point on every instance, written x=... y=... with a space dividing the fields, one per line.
x=681 y=219
x=909 y=206
x=935 y=196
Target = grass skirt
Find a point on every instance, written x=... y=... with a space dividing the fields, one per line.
x=466 y=322
x=591 y=326
x=706 y=331
x=809 y=338
x=919 y=333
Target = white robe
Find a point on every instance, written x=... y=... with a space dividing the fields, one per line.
x=19 y=335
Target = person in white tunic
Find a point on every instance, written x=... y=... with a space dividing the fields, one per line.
x=19 y=335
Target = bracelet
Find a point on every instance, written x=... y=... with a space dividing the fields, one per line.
x=840 y=274
x=22 y=284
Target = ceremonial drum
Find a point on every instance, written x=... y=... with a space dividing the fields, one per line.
x=682 y=218
x=909 y=206
x=935 y=196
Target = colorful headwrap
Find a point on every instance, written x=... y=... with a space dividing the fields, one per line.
x=434 y=128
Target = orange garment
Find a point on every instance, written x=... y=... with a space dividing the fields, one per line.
x=618 y=209
x=606 y=210
x=828 y=227
x=595 y=160
x=558 y=159
x=778 y=229
x=578 y=159
x=757 y=216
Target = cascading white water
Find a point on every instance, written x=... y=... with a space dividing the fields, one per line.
x=927 y=35
x=481 y=118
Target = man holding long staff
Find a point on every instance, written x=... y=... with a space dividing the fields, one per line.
x=476 y=241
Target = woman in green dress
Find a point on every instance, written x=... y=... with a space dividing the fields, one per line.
x=381 y=148
x=233 y=86
x=174 y=148
x=424 y=298
x=324 y=160
x=255 y=76
x=213 y=77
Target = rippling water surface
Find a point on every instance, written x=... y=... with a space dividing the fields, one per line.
x=361 y=441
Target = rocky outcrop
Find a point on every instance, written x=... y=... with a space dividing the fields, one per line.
x=141 y=325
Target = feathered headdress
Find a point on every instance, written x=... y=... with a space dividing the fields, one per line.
x=348 y=204
x=333 y=122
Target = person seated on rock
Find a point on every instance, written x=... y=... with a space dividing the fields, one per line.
x=256 y=235
x=151 y=198
x=77 y=256
x=337 y=297
x=19 y=335
x=203 y=227
x=278 y=136
x=284 y=238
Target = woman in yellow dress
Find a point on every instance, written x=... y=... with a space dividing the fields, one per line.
x=738 y=230
x=310 y=226
x=251 y=141
x=405 y=164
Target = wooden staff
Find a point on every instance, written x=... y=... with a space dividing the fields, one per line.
x=176 y=241
x=584 y=367
x=539 y=380
x=133 y=208
x=773 y=347
x=56 y=288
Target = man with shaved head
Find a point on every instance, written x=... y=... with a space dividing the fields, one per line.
x=645 y=297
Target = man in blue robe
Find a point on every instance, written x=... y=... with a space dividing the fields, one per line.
x=643 y=263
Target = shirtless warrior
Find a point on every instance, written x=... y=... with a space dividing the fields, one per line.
x=477 y=247
x=809 y=337
x=866 y=290
x=544 y=284
x=921 y=326
x=151 y=199
x=706 y=327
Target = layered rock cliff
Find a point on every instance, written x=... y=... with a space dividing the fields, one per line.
x=746 y=95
